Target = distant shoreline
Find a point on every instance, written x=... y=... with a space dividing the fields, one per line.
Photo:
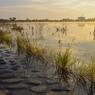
x=50 y=21
x=76 y=22
x=45 y=21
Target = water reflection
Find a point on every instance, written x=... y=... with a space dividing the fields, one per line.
x=60 y=32
x=38 y=31
x=77 y=83
x=59 y=43
x=68 y=78
x=94 y=34
x=63 y=30
x=62 y=74
x=32 y=30
x=81 y=25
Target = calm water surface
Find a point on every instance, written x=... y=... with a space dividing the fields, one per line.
x=50 y=34
x=56 y=35
x=80 y=35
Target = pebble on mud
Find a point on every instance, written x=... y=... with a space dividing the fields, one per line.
x=11 y=80
x=17 y=86
x=50 y=82
x=8 y=76
x=16 y=67
x=34 y=82
x=23 y=92
x=60 y=88
x=38 y=89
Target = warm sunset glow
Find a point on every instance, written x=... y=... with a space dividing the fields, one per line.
x=51 y=9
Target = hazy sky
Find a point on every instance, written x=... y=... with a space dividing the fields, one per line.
x=51 y=9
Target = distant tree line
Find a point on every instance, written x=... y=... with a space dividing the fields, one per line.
x=43 y=20
x=90 y=19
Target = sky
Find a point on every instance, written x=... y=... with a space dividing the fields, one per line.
x=47 y=9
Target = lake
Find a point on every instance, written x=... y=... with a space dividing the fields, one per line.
x=81 y=35
x=55 y=36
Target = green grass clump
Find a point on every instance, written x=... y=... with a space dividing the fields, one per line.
x=34 y=51
x=21 y=44
x=2 y=34
x=30 y=50
x=8 y=40
x=17 y=28
x=40 y=53
x=6 y=37
x=63 y=59
x=91 y=67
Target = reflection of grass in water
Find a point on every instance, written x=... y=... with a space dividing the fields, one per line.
x=81 y=70
x=62 y=74
x=63 y=61
x=24 y=46
x=92 y=76
x=85 y=69
x=84 y=72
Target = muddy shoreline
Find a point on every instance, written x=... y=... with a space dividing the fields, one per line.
x=16 y=78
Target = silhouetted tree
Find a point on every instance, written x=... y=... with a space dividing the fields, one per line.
x=12 y=19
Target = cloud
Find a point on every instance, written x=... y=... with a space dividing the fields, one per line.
x=49 y=8
x=39 y=1
x=71 y=4
x=36 y=7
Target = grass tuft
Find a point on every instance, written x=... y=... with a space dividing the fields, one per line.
x=63 y=59
x=20 y=41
